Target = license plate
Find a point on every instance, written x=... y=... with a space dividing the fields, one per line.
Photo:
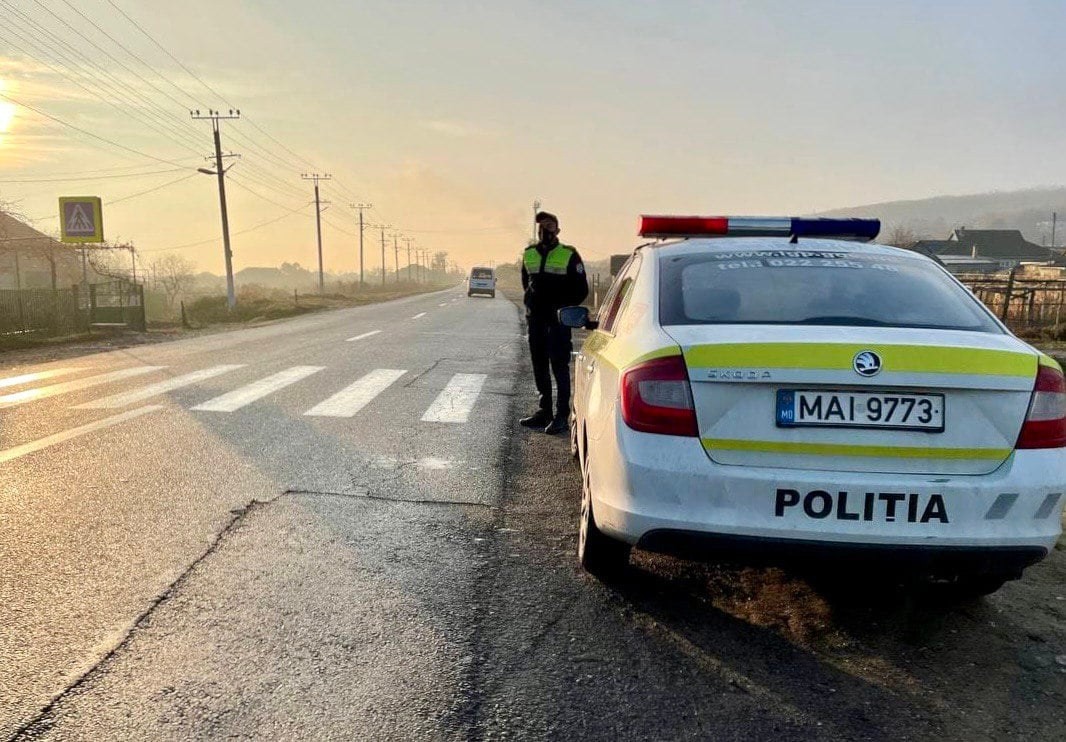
x=802 y=408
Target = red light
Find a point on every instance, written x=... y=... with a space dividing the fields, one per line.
x=1045 y=423
x=682 y=226
x=657 y=398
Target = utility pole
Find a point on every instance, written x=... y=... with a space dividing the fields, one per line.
x=408 y=240
x=1054 y=219
x=318 y=225
x=396 y=256
x=383 y=228
x=215 y=117
x=361 y=208
x=536 y=208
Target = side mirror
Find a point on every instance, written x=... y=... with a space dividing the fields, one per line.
x=577 y=318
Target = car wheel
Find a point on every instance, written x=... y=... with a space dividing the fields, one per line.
x=469 y=294
x=597 y=552
x=575 y=452
x=492 y=295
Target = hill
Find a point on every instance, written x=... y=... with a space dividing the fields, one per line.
x=1029 y=210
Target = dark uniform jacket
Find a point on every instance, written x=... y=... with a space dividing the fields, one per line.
x=552 y=278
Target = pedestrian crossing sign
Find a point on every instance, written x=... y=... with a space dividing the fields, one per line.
x=81 y=219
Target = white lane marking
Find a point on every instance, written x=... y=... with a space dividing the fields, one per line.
x=249 y=393
x=420 y=314
x=154 y=390
x=39 y=376
x=454 y=403
x=30 y=395
x=66 y=435
x=444 y=304
x=355 y=397
x=363 y=336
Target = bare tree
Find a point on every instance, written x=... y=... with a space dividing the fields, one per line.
x=903 y=235
x=440 y=262
x=174 y=273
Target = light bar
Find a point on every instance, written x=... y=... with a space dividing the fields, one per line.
x=661 y=227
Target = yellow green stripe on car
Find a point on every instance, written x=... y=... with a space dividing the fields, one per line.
x=837 y=449
x=622 y=354
x=927 y=359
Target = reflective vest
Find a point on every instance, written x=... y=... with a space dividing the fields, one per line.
x=556 y=261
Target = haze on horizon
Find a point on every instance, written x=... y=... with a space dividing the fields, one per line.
x=451 y=118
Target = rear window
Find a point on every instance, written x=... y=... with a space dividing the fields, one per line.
x=795 y=287
x=481 y=273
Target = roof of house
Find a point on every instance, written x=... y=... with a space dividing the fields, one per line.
x=15 y=234
x=997 y=244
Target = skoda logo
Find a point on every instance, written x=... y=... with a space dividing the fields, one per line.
x=867 y=363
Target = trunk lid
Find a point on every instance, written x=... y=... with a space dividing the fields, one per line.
x=742 y=377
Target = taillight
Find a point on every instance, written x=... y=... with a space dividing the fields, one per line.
x=657 y=398
x=1045 y=425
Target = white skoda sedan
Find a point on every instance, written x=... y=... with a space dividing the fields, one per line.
x=793 y=392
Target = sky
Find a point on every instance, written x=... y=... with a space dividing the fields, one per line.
x=452 y=118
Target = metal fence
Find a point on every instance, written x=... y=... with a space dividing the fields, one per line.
x=1021 y=302
x=47 y=312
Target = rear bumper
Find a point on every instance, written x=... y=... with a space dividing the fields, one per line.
x=662 y=492
x=1008 y=561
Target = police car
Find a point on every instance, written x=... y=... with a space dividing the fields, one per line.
x=783 y=386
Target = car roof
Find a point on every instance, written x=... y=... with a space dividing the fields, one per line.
x=697 y=245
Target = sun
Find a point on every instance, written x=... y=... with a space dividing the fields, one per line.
x=7 y=112
x=7 y=115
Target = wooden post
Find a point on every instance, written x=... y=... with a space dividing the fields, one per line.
x=1007 y=294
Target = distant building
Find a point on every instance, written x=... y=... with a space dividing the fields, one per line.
x=1006 y=248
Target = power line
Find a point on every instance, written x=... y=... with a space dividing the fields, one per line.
x=110 y=93
x=39 y=112
x=215 y=239
x=152 y=190
x=139 y=27
x=132 y=54
x=165 y=51
x=233 y=179
x=132 y=93
x=94 y=177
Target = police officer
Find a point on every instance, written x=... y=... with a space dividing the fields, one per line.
x=553 y=277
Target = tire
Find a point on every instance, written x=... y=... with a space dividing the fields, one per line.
x=575 y=452
x=469 y=294
x=492 y=295
x=597 y=552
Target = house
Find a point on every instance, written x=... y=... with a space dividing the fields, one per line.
x=31 y=259
x=1007 y=246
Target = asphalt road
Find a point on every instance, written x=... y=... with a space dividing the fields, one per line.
x=305 y=530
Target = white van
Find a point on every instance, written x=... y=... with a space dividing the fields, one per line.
x=482 y=281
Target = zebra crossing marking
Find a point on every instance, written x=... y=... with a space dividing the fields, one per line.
x=357 y=395
x=256 y=390
x=363 y=336
x=454 y=403
x=123 y=399
x=43 y=392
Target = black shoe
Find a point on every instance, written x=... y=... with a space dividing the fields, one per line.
x=538 y=419
x=558 y=425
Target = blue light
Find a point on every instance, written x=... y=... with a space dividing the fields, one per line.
x=845 y=229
